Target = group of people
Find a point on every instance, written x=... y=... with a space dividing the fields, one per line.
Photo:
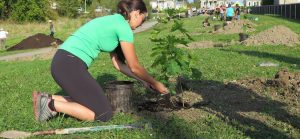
x=228 y=13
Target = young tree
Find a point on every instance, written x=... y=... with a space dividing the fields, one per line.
x=169 y=60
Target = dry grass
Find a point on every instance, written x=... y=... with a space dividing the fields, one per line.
x=17 y=32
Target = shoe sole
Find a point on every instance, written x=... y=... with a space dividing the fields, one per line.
x=36 y=96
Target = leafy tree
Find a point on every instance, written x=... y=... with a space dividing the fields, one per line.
x=88 y=2
x=197 y=3
x=267 y=2
x=68 y=7
x=6 y=8
x=109 y=4
x=30 y=10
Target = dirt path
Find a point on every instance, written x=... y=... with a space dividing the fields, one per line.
x=47 y=52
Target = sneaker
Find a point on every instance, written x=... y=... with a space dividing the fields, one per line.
x=42 y=112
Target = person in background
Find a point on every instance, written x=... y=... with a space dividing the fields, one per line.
x=217 y=13
x=221 y=13
x=237 y=12
x=52 y=29
x=229 y=14
x=3 y=37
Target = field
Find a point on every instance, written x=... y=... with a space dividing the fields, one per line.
x=239 y=103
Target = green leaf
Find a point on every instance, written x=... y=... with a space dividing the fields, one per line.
x=173 y=68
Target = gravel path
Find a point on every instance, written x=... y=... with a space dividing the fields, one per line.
x=145 y=26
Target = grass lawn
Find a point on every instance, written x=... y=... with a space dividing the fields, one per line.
x=18 y=79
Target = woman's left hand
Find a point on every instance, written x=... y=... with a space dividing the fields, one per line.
x=148 y=86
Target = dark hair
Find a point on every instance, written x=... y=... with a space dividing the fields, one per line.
x=126 y=6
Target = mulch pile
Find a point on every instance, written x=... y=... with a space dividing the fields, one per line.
x=36 y=41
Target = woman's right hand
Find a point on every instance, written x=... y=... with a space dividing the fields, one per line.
x=160 y=87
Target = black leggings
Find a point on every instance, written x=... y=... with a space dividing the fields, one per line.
x=72 y=76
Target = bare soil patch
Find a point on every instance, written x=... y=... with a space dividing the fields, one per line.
x=36 y=41
x=278 y=35
x=254 y=105
x=237 y=27
x=206 y=44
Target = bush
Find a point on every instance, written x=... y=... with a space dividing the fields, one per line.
x=68 y=8
x=52 y=14
x=30 y=10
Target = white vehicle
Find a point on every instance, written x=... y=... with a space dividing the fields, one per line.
x=99 y=9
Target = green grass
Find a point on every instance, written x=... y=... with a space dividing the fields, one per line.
x=18 y=79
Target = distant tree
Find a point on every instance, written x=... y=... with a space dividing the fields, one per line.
x=267 y=2
x=112 y=4
x=68 y=7
x=29 y=10
x=109 y=4
x=197 y=3
x=149 y=8
x=88 y=2
x=6 y=8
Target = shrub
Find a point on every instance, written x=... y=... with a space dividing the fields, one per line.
x=30 y=10
x=68 y=8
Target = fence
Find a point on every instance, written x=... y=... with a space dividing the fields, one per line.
x=291 y=11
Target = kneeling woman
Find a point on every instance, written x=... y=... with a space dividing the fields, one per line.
x=86 y=99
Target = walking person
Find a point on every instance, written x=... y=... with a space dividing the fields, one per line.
x=52 y=29
x=3 y=37
x=69 y=68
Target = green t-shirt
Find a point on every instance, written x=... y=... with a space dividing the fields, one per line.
x=102 y=34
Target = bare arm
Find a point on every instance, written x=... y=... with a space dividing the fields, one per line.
x=126 y=70
x=138 y=70
x=122 y=67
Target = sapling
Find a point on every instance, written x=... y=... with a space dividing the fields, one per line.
x=169 y=60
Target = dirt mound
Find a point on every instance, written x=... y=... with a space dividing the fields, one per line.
x=36 y=41
x=278 y=35
x=206 y=44
x=248 y=104
x=237 y=27
x=284 y=84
